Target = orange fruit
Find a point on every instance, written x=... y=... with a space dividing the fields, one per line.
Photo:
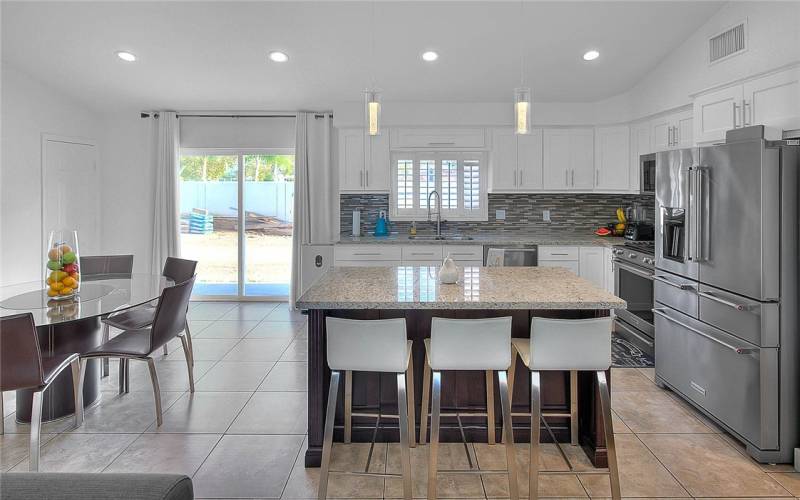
x=68 y=281
x=65 y=291
x=57 y=285
x=52 y=293
x=54 y=254
x=49 y=281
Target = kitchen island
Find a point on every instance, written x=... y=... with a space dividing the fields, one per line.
x=413 y=293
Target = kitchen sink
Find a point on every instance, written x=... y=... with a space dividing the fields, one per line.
x=444 y=237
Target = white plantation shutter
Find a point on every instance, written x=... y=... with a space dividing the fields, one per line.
x=460 y=179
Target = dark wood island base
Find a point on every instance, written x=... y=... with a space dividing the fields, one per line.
x=464 y=392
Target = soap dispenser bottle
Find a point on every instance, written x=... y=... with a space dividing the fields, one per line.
x=382 y=224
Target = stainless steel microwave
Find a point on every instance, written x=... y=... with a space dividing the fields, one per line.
x=647 y=173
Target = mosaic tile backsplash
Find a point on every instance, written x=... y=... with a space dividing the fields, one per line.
x=523 y=212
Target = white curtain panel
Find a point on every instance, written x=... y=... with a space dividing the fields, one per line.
x=166 y=216
x=316 y=199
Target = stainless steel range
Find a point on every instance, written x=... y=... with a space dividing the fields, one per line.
x=634 y=267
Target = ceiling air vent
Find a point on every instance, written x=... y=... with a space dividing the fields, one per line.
x=728 y=43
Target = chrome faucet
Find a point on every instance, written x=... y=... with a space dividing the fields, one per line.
x=438 y=212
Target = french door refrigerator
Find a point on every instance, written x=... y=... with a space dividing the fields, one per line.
x=726 y=286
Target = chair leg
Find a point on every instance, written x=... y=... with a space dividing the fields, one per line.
x=82 y=379
x=573 y=407
x=189 y=340
x=187 y=353
x=611 y=450
x=412 y=407
x=106 y=335
x=77 y=391
x=124 y=376
x=348 y=405
x=436 y=404
x=508 y=435
x=327 y=439
x=512 y=370
x=405 y=452
x=166 y=350
x=536 y=415
x=490 y=419
x=36 y=427
x=151 y=365
x=426 y=395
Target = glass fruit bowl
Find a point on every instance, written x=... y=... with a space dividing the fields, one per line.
x=62 y=270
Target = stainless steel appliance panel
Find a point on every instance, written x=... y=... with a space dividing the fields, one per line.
x=732 y=380
x=676 y=292
x=634 y=284
x=738 y=209
x=673 y=227
x=750 y=320
x=515 y=255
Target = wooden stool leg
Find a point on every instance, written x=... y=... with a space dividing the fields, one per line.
x=536 y=415
x=490 y=420
x=436 y=403
x=426 y=394
x=327 y=439
x=611 y=449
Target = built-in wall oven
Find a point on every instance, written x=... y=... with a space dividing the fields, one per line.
x=634 y=268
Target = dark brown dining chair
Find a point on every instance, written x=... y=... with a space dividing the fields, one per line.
x=139 y=344
x=22 y=367
x=104 y=266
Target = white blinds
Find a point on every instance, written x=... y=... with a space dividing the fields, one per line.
x=237 y=133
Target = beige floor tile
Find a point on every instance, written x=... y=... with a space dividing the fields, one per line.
x=241 y=376
x=790 y=481
x=9 y=403
x=165 y=454
x=630 y=379
x=172 y=376
x=224 y=329
x=619 y=425
x=696 y=413
x=247 y=466
x=80 y=452
x=14 y=448
x=204 y=349
x=258 y=350
x=297 y=350
x=250 y=311
x=286 y=376
x=209 y=311
x=284 y=313
x=304 y=482
x=53 y=427
x=198 y=325
x=452 y=456
x=641 y=475
x=706 y=466
x=649 y=373
x=126 y=413
x=654 y=412
x=203 y=412
x=273 y=413
x=274 y=329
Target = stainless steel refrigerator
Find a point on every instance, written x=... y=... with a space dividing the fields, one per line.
x=726 y=286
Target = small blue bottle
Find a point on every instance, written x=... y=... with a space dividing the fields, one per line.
x=382 y=224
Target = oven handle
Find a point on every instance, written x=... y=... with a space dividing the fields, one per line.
x=681 y=286
x=644 y=339
x=632 y=269
x=737 y=350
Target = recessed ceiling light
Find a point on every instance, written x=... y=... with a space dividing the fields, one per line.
x=126 y=56
x=429 y=56
x=591 y=55
x=278 y=56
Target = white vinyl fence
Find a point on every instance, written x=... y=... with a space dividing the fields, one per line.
x=270 y=198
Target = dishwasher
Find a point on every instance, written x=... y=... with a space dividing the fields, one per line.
x=510 y=255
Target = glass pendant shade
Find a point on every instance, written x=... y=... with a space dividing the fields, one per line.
x=522 y=110
x=372 y=112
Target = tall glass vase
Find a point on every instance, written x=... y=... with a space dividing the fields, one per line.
x=62 y=272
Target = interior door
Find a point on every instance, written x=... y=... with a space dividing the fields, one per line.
x=70 y=189
x=739 y=210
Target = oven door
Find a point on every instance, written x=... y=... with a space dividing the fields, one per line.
x=634 y=284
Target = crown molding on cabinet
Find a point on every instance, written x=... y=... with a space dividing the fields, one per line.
x=748 y=78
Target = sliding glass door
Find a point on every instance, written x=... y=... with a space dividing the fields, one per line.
x=236 y=221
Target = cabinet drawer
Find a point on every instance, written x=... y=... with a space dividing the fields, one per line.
x=367 y=252
x=463 y=252
x=755 y=322
x=367 y=263
x=438 y=137
x=572 y=265
x=422 y=253
x=558 y=253
x=676 y=292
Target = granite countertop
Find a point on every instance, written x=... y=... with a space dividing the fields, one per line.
x=546 y=237
x=416 y=287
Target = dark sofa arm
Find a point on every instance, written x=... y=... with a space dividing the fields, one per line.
x=51 y=486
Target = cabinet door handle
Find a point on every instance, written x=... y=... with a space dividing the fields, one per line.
x=566 y=178
x=520 y=178
x=735 y=107
x=733 y=305
x=573 y=178
x=596 y=178
x=365 y=254
x=737 y=350
x=361 y=178
x=441 y=143
x=515 y=177
x=367 y=178
x=747 y=112
x=676 y=136
x=669 y=136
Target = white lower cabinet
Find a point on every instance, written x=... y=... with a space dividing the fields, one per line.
x=572 y=265
x=592 y=263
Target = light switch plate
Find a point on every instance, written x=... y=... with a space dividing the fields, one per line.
x=546 y=215
x=500 y=214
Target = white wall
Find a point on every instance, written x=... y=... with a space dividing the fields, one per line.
x=28 y=109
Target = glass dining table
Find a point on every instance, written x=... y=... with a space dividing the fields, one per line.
x=73 y=325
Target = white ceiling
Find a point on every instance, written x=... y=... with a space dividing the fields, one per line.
x=212 y=55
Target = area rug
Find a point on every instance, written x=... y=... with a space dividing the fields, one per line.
x=624 y=354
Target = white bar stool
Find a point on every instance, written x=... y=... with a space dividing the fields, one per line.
x=371 y=346
x=469 y=344
x=574 y=345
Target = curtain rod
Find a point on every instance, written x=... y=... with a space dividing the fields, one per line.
x=155 y=115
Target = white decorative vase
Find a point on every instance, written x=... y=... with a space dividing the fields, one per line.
x=448 y=274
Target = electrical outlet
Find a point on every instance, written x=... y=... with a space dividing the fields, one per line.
x=546 y=215
x=500 y=214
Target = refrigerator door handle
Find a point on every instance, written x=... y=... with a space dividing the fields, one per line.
x=734 y=305
x=702 y=244
x=737 y=350
x=691 y=252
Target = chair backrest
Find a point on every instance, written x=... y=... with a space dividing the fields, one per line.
x=20 y=357
x=378 y=345
x=470 y=344
x=178 y=270
x=571 y=344
x=170 y=315
x=92 y=266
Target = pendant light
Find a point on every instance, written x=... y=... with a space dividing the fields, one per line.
x=522 y=94
x=372 y=97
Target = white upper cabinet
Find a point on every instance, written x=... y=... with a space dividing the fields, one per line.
x=717 y=112
x=568 y=159
x=661 y=133
x=640 y=145
x=672 y=131
x=612 y=158
x=516 y=161
x=354 y=174
x=430 y=137
x=684 y=130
